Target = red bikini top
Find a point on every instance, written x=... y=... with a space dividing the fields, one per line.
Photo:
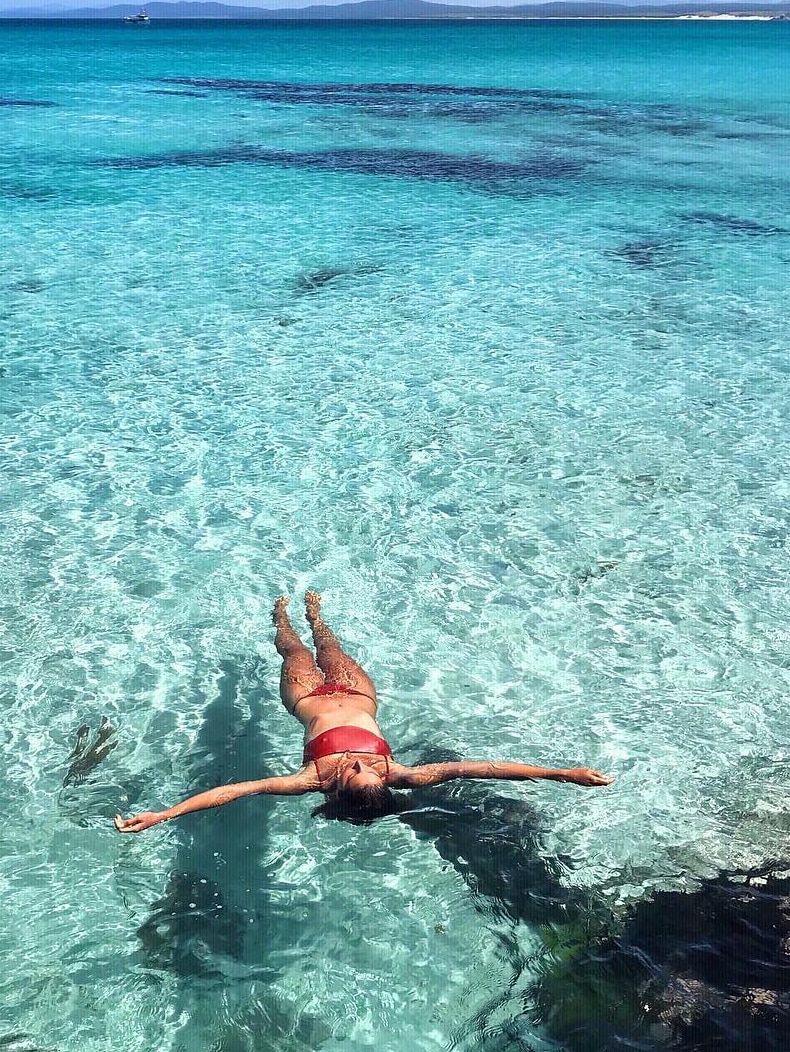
x=345 y=739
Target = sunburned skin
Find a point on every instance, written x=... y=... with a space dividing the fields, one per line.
x=361 y=779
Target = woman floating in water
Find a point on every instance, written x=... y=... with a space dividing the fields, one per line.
x=345 y=756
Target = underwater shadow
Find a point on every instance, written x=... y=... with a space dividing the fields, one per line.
x=213 y=926
x=210 y=903
x=494 y=843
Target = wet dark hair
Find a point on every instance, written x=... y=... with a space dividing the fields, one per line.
x=360 y=807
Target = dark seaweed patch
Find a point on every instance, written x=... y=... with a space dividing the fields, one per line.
x=174 y=91
x=682 y=128
x=437 y=109
x=610 y=123
x=27 y=102
x=85 y=758
x=468 y=104
x=278 y=88
x=474 y=112
x=733 y=224
x=316 y=96
x=319 y=279
x=629 y=121
x=425 y=165
x=751 y=136
x=30 y=285
x=641 y=253
x=19 y=192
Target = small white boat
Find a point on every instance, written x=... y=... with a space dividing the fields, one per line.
x=141 y=16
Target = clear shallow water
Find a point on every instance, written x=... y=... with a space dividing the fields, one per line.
x=504 y=374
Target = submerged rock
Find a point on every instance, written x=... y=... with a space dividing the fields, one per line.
x=706 y=970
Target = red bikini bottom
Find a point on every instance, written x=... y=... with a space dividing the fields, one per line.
x=333 y=688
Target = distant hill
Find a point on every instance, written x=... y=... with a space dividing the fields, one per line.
x=400 y=9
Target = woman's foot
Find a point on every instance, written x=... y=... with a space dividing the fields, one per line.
x=312 y=606
x=280 y=614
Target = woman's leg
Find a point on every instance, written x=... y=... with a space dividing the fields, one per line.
x=336 y=665
x=299 y=674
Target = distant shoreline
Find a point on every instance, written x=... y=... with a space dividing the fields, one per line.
x=415 y=11
x=65 y=17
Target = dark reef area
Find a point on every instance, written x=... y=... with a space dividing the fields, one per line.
x=706 y=970
x=701 y=970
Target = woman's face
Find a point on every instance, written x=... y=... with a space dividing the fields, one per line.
x=357 y=775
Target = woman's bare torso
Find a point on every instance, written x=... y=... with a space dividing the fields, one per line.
x=336 y=710
x=327 y=711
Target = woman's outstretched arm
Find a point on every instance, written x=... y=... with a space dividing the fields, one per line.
x=289 y=785
x=435 y=773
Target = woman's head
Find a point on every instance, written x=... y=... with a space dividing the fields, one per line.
x=360 y=795
x=360 y=778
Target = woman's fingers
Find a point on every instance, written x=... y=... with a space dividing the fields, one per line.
x=137 y=823
x=587 y=776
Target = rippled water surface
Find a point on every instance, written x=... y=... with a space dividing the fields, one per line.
x=481 y=330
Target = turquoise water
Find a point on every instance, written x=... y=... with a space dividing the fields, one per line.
x=503 y=372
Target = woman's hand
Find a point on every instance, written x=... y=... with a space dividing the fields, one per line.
x=586 y=776
x=137 y=823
